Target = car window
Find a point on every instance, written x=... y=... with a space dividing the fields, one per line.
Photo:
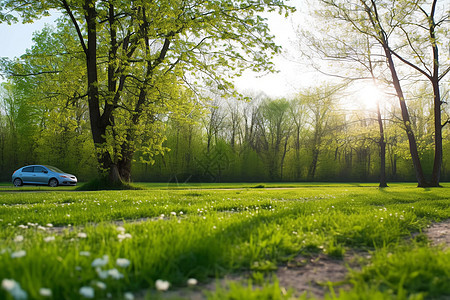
x=27 y=169
x=39 y=170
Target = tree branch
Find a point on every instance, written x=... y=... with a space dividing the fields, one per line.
x=75 y=23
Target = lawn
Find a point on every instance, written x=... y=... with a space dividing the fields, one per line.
x=63 y=244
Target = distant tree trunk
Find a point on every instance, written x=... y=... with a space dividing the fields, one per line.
x=283 y=157
x=382 y=144
x=313 y=165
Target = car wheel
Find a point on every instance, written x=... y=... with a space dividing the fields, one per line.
x=17 y=182
x=53 y=182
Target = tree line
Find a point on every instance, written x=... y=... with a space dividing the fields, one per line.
x=148 y=86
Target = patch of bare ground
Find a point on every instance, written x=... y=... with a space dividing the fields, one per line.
x=314 y=275
x=439 y=233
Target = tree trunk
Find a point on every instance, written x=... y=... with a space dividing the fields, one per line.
x=98 y=122
x=382 y=144
x=406 y=120
x=435 y=176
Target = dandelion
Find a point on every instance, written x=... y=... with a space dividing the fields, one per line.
x=162 y=285
x=18 y=254
x=100 y=262
x=87 y=292
x=122 y=262
x=18 y=239
x=128 y=296
x=192 y=282
x=45 y=292
x=85 y=253
x=49 y=239
x=82 y=235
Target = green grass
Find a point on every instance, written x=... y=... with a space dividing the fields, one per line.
x=208 y=231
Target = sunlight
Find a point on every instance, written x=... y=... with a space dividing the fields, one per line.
x=368 y=95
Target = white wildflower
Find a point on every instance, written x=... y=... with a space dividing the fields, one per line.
x=85 y=253
x=9 y=284
x=102 y=274
x=45 y=292
x=114 y=273
x=23 y=226
x=87 y=292
x=101 y=285
x=42 y=228
x=49 y=239
x=173 y=214
x=162 y=285
x=18 y=254
x=18 y=239
x=192 y=282
x=49 y=225
x=100 y=262
x=121 y=229
x=122 y=262
x=82 y=235
x=13 y=287
x=123 y=236
x=128 y=296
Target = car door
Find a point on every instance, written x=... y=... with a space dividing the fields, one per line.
x=40 y=175
x=27 y=175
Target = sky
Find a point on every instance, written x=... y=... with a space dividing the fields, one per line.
x=291 y=76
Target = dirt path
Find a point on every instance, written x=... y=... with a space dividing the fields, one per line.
x=439 y=233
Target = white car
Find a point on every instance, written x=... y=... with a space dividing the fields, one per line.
x=42 y=175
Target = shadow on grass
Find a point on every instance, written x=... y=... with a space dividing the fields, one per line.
x=100 y=184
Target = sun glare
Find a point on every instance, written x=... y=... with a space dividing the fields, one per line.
x=368 y=96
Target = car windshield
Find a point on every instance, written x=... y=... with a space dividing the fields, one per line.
x=54 y=169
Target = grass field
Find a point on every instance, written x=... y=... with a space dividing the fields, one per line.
x=63 y=244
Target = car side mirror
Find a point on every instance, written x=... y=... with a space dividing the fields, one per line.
x=45 y=171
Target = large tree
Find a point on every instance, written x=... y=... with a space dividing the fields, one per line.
x=142 y=56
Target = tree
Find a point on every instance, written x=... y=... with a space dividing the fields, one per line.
x=319 y=103
x=275 y=127
x=365 y=18
x=142 y=56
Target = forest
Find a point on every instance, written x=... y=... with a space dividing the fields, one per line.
x=117 y=89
